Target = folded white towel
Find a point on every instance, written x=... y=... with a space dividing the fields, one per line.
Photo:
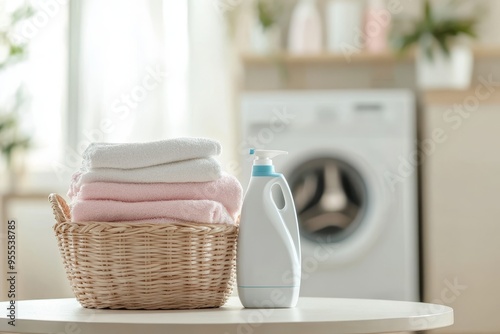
x=138 y=155
x=194 y=170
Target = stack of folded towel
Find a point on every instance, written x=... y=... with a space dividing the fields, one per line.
x=164 y=181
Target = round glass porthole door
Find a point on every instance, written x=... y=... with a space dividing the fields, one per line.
x=330 y=197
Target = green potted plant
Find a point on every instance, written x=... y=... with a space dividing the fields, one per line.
x=443 y=60
x=266 y=34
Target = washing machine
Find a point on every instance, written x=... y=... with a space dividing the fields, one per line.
x=352 y=168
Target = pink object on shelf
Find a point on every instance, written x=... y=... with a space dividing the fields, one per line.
x=377 y=24
x=200 y=211
x=305 y=35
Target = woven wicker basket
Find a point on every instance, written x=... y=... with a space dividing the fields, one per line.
x=146 y=265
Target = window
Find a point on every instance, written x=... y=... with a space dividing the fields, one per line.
x=42 y=78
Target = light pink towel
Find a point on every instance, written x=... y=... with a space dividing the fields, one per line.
x=200 y=211
x=226 y=190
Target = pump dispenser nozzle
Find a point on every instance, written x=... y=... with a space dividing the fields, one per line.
x=263 y=157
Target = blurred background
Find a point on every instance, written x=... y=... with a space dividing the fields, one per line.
x=390 y=110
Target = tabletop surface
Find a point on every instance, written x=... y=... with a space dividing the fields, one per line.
x=312 y=315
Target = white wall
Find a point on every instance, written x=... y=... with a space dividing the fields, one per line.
x=39 y=265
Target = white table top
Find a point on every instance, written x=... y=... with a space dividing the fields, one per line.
x=311 y=316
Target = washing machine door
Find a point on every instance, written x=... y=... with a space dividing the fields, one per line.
x=341 y=202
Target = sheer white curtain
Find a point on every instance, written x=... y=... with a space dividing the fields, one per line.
x=212 y=85
x=155 y=69
x=133 y=70
x=43 y=78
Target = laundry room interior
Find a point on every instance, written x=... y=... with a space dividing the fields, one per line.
x=387 y=109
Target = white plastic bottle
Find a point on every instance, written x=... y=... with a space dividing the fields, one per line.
x=344 y=22
x=268 y=260
x=305 y=35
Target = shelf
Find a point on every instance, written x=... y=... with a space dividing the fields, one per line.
x=480 y=52
x=322 y=58
x=452 y=97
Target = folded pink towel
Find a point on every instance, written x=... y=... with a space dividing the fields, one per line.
x=225 y=190
x=200 y=211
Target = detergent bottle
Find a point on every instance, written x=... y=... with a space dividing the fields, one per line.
x=268 y=262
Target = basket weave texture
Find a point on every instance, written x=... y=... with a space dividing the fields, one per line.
x=122 y=265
